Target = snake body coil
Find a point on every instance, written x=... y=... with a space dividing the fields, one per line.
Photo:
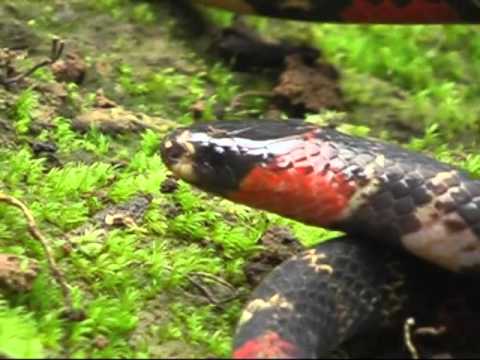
x=379 y=194
x=359 y=11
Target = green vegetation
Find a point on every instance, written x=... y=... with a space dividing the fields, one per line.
x=420 y=78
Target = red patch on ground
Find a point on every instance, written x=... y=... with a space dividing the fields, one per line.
x=418 y=11
x=301 y=185
x=270 y=345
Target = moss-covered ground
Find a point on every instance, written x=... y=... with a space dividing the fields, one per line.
x=168 y=280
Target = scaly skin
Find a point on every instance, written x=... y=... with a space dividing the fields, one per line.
x=313 y=302
x=378 y=193
x=382 y=195
x=366 y=188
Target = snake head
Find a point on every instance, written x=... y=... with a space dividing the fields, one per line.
x=206 y=157
x=284 y=166
x=217 y=156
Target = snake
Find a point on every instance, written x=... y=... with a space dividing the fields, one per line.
x=411 y=223
x=359 y=11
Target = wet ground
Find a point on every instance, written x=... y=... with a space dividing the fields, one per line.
x=126 y=68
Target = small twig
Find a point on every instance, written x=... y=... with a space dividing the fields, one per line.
x=205 y=290
x=430 y=330
x=56 y=52
x=215 y=278
x=166 y=126
x=35 y=232
x=236 y=101
x=228 y=299
x=407 y=333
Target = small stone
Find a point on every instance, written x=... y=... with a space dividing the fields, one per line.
x=101 y=342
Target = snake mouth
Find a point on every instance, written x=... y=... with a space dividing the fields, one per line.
x=178 y=154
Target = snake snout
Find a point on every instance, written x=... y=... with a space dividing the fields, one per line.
x=177 y=154
x=171 y=151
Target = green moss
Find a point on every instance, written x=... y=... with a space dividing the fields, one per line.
x=26 y=341
x=419 y=77
x=24 y=109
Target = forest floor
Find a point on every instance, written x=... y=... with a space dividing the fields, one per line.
x=151 y=267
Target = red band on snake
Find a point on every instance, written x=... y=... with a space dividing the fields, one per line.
x=392 y=202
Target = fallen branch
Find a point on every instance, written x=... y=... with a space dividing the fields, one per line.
x=35 y=232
